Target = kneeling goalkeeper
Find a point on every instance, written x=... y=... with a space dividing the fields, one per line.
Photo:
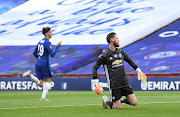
x=113 y=61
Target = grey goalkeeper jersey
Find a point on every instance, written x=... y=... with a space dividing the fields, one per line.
x=113 y=62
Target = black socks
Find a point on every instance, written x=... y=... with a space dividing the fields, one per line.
x=125 y=101
x=110 y=104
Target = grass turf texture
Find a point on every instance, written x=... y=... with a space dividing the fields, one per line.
x=86 y=104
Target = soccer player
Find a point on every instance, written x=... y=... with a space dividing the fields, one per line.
x=113 y=62
x=42 y=67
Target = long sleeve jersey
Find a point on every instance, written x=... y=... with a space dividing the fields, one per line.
x=113 y=62
x=42 y=52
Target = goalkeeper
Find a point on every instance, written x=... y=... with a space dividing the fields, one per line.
x=113 y=61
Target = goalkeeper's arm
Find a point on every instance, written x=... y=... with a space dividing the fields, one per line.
x=94 y=80
x=101 y=60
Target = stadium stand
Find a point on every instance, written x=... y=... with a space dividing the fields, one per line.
x=155 y=54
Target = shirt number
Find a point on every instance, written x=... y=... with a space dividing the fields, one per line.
x=40 y=50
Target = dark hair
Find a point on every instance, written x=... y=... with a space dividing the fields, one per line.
x=45 y=30
x=109 y=36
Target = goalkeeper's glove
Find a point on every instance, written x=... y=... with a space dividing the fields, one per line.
x=141 y=75
x=96 y=87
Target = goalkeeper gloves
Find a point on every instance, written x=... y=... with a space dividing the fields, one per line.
x=96 y=87
x=141 y=75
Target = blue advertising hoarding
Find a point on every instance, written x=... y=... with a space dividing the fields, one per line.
x=84 y=84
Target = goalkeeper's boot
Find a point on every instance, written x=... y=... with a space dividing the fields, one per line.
x=44 y=99
x=105 y=101
x=27 y=74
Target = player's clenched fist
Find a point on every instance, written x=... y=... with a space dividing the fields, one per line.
x=59 y=44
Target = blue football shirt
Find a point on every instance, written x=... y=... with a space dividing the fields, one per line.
x=42 y=51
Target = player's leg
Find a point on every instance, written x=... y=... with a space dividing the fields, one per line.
x=130 y=96
x=46 y=88
x=41 y=82
x=115 y=95
x=125 y=91
x=132 y=99
x=32 y=77
x=47 y=84
x=125 y=101
x=117 y=104
x=39 y=74
x=106 y=102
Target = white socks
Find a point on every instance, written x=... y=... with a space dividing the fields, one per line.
x=46 y=85
x=35 y=79
x=46 y=88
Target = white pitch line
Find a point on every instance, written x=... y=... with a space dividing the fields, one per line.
x=84 y=105
x=160 y=102
x=49 y=106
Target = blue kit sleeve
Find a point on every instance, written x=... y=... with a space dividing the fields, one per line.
x=35 y=52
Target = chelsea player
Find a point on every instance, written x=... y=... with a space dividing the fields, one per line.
x=42 y=67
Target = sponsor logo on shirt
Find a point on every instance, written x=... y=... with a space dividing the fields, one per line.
x=117 y=63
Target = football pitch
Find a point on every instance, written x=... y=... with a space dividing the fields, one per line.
x=86 y=104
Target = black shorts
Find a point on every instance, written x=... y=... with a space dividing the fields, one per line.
x=116 y=94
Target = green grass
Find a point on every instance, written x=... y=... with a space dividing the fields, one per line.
x=85 y=104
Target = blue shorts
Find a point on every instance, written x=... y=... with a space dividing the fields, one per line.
x=43 y=71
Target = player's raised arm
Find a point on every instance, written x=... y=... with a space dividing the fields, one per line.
x=53 y=53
